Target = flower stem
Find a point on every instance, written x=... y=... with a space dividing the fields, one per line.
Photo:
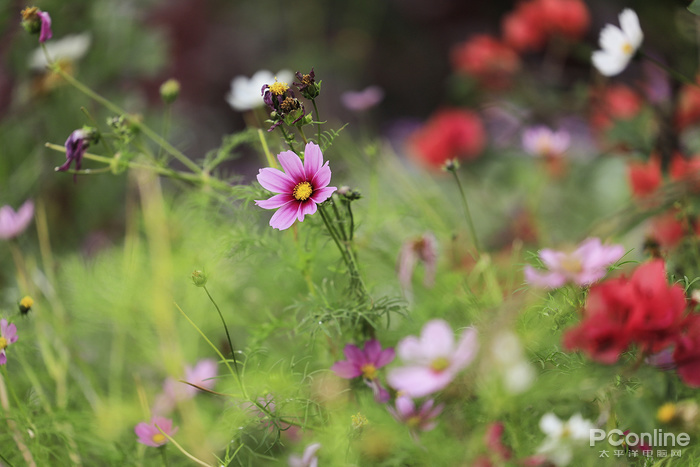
x=467 y=214
x=318 y=120
x=288 y=140
x=228 y=336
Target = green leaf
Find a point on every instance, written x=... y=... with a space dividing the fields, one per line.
x=694 y=7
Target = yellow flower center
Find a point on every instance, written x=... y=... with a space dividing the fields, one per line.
x=666 y=412
x=3 y=343
x=439 y=364
x=627 y=48
x=278 y=88
x=26 y=302
x=413 y=421
x=572 y=264
x=302 y=191
x=158 y=438
x=29 y=12
x=369 y=371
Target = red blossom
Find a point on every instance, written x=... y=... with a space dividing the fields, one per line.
x=488 y=60
x=642 y=309
x=644 y=178
x=687 y=352
x=688 y=110
x=523 y=28
x=450 y=134
x=567 y=18
x=616 y=102
x=667 y=230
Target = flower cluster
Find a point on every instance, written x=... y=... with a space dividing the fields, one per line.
x=283 y=105
x=245 y=92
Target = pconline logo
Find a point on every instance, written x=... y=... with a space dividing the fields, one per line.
x=658 y=438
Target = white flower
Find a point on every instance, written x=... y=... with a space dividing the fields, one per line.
x=70 y=48
x=246 y=93
x=562 y=437
x=619 y=45
x=509 y=361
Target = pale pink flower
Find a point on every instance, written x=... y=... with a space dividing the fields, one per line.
x=149 y=434
x=308 y=459
x=544 y=142
x=8 y=335
x=583 y=266
x=13 y=223
x=359 y=101
x=422 y=419
x=423 y=249
x=301 y=186
x=432 y=360
x=174 y=391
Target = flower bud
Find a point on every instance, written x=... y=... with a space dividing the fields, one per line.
x=307 y=85
x=199 y=278
x=35 y=21
x=170 y=90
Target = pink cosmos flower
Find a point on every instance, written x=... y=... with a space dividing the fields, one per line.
x=8 y=335
x=13 y=223
x=308 y=459
x=149 y=434
x=542 y=141
x=416 y=419
x=583 y=266
x=301 y=186
x=174 y=391
x=359 y=101
x=432 y=360
x=365 y=363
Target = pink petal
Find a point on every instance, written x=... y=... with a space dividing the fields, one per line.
x=322 y=177
x=306 y=208
x=275 y=180
x=292 y=166
x=313 y=159
x=543 y=279
x=465 y=351
x=275 y=201
x=354 y=355
x=3 y=357
x=418 y=381
x=551 y=258
x=387 y=356
x=372 y=350
x=346 y=370
x=410 y=349
x=284 y=217
x=405 y=406
x=322 y=194
x=437 y=339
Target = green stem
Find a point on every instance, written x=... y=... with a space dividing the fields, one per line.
x=163 y=455
x=288 y=140
x=467 y=213
x=303 y=136
x=340 y=221
x=166 y=126
x=318 y=120
x=228 y=336
x=268 y=155
x=676 y=74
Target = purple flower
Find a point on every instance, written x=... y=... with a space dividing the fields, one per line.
x=583 y=266
x=301 y=186
x=308 y=459
x=424 y=249
x=359 y=101
x=149 y=434
x=14 y=223
x=365 y=363
x=542 y=141
x=8 y=335
x=416 y=419
x=432 y=360
x=76 y=145
x=175 y=391
x=46 y=32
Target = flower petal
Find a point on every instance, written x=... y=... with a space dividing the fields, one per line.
x=608 y=63
x=323 y=194
x=437 y=339
x=292 y=166
x=385 y=357
x=354 y=355
x=308 y=207
x=313 y=159
x=284 y=217
x=275 y=180
x=275 y=201
x=418 y=381
x=322 y=177
x=543 y=279
x=465 y=351
x=346 y=369
x=629 y=22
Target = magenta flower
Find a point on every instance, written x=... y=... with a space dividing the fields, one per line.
x=76 y=145
x=8 y=335
x=175 y=391
x=301 y=186
x=308 y=459
x=433 y=360
x=365 y=363
x=46 y=32
x=149 y=434
x=14 y=223
x=583 y=266
x=359 y=101
x=542 y=141
x=422 y=419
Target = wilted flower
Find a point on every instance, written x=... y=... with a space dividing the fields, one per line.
x=365 y=363
x=301 y=186
x=432 y=360
x=36 y=21
x=423 y=249
x=562 y=437
x=76 y=145
x=13 y=223
x=583 y=266
x=307 y=85
x=245 y=92
x=8 y=335
x=149 y=434
x=308 y=459
x=283 y=105
x=359 y=101
x=422 y=419
x=618 y=44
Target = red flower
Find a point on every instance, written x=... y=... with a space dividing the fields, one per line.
x=643 y=309
x=523 y=28
x=687 y=352
x=616 y=102
x=450 y=134
x=685 y=169
x=488 y=60
x=567 y=18
x=688 y=111
x=667 y=230
x=644 y=178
